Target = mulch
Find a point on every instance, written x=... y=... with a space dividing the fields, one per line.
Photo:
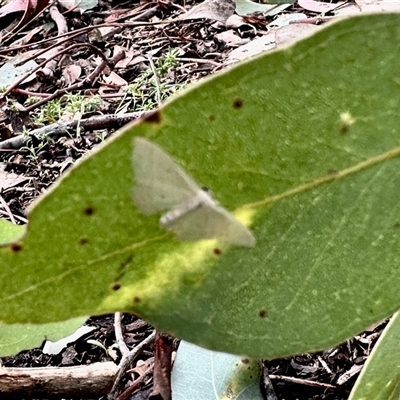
x=323 y=375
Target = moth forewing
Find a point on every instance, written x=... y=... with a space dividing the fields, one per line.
x=159 y=182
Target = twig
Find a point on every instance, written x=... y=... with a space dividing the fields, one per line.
x=162 y=367
x=135 y=385
x=199 y=61
x=21 y=219
x=302 y=381
x=58 y=129
x=156 y=79
x=29 y=93
x=346 y=4
x=325 y=365
x=355 y=369
x=146 y=14
x=119 y=336
x=12 y=34
x=267 y=386
x=89 y=381
x=79 y=85
x=134 y=15
x=313 y=21
x=78 y=32
x=47 y=72
x=127 y=360
x=9 y=213
x=98 y=51
x=73 y=8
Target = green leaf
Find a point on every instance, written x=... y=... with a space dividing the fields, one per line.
x=302 y=145
x=380 y=376
x=17 y=337
x=216 y=375
x=10 y=232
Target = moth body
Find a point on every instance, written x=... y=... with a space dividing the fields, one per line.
x=200 y=200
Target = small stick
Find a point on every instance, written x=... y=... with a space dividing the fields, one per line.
x=156 y=80
x=119 y=336
x=135 y=385
x=199 y=61
x=89 y=381
x=105 y=121
x=5 y=206
x=325 y=365
x=127 y=360
x=98 y=51
x=79 y=85
x=162 y=367
x=79 y=32
x=267 y=386
x=12 y=34
x=302 y=381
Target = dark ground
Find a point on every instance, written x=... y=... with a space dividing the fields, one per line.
x=42 y=160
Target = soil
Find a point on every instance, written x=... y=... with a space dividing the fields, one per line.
x=324 y=375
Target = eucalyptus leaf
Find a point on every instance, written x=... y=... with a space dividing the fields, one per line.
x=10 y=232
x=17 y=337
x=204 y=374
x=380 y=376
x=302 y=146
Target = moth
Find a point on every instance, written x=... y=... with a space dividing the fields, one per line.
x=161 y=184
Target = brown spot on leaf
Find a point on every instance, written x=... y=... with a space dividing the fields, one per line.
x=217 y=252
x=153 y=118
x=136 y=299
x=83 y=241
x=15 y=247
x=332 y=171
x=245 y=361
x=262 y=313
x=116 y=286
x=396 y=224
x=238 y=103
x=89 y=210
x=212 y=117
